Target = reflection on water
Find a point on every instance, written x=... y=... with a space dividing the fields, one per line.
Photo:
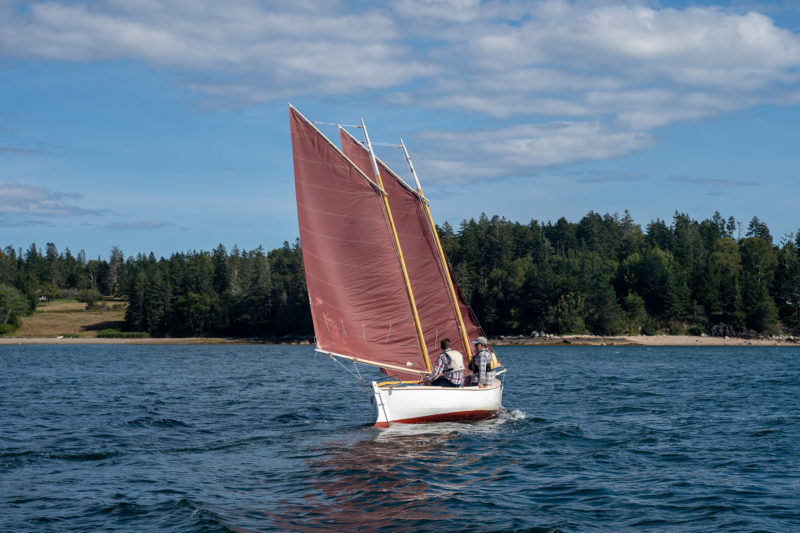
x=393 y=478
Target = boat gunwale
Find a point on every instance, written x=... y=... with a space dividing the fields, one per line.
x=418 y=386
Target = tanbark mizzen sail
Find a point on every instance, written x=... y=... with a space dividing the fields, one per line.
x=358 y=298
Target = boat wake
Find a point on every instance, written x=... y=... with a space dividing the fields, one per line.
x=441 y=429
x=516 y=414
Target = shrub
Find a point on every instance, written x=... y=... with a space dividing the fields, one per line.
x=117 y=334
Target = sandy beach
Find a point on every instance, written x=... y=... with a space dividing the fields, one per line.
x=644 y=340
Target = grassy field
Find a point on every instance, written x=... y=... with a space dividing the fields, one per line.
x=69 y=317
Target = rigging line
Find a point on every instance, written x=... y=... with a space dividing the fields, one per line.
x=398 y=248
x=390 y=145
x=501 y=373
x=359 y=373
x=357 y=376
x=336 y=124
x=446 y=268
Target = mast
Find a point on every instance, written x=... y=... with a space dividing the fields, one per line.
x=407 y=282
x=454 y=299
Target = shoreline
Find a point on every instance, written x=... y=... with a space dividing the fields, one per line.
x=143 y=341
x=565 y=340
x=643 y=340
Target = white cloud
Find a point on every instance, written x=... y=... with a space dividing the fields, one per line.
x=140 y=225
x=262 y=52
x=525 y=149
x=15 y=150
x=714 y=182
x=455 y=11
x=615 y=70
x=612 y=177
x=566 y=52
x=17 y=199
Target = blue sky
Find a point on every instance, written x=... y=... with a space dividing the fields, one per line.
x=162 y=126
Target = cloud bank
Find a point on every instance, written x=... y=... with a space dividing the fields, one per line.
x=579 y=80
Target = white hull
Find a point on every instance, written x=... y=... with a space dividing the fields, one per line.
x=414 y=404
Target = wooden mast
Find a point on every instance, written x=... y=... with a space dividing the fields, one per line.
x=454 y=299
x=409 y=292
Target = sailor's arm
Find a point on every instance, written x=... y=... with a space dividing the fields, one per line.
x=437 y=370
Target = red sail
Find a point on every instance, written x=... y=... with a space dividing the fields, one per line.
x=425 y=270
x=355 y=285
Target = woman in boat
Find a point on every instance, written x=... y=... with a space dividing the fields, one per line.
x=449 y=368
x=482 y=375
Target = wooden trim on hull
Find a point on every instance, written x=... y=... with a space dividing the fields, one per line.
x=464 y=416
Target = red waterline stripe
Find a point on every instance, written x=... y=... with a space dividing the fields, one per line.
x=461 y=416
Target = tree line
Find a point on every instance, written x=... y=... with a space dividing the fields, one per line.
x=237 y=293
x=603 y=275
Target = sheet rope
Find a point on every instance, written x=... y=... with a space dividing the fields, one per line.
x=357 y=374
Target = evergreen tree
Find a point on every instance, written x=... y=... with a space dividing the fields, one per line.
x=566 y=315
x=603 y=314
x=221 y=271
x=724 y=299
x=113 y=273
x=797 y=241
x=758 y=229
x=758 y=265
x=787 y=285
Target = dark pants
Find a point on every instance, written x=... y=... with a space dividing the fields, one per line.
x=443 y=382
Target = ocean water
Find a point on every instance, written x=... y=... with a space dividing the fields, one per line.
x=265 y=438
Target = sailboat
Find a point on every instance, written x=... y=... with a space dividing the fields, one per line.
x=380 y=290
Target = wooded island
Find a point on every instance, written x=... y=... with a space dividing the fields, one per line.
x=603 y=275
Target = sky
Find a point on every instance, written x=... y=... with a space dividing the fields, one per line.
x=162 y=126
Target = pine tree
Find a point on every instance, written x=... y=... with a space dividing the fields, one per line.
x=758 y=265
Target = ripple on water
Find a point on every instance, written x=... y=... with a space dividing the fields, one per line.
x=221 y=438
x=151 y=422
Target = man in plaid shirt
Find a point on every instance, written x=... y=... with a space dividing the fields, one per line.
x=449 y=368
x=481 y=375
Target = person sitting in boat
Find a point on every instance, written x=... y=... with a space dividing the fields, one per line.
x=449 y=368
x=481 y=364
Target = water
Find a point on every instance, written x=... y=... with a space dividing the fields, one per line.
x=263 y=438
